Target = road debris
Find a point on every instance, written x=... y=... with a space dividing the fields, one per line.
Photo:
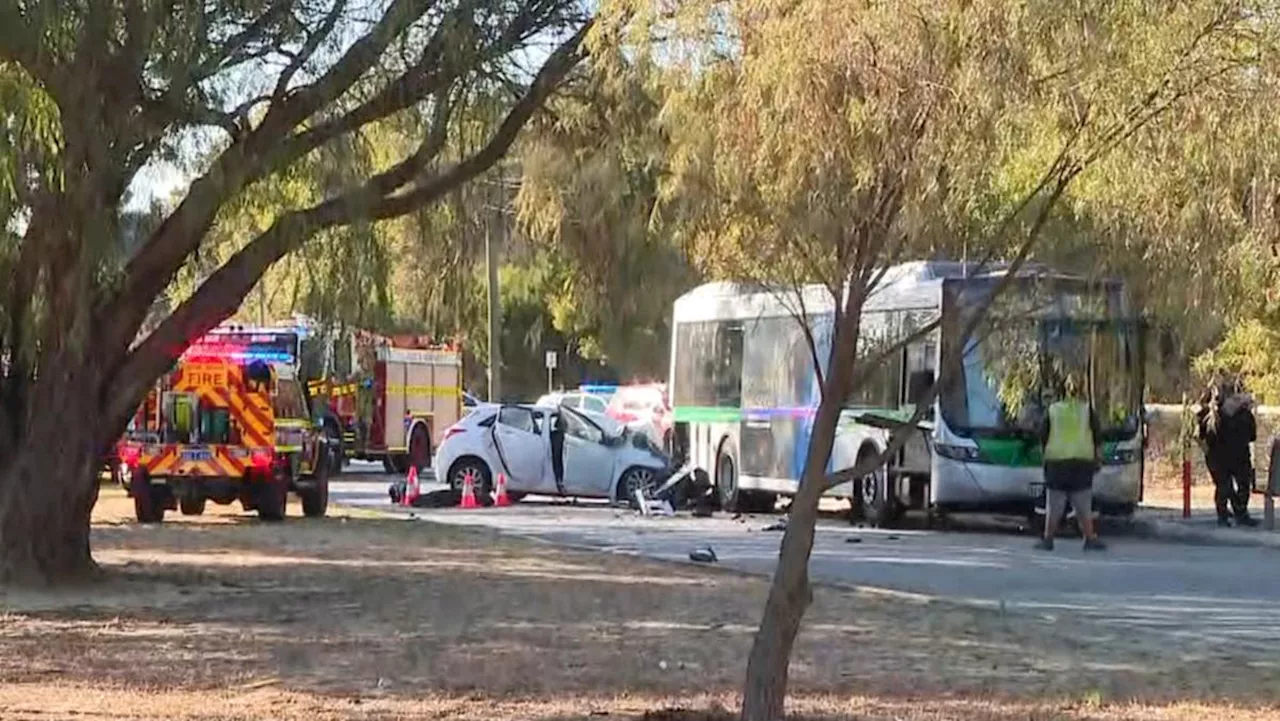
x=703 y=555
x=443 y=498
x=780 y=525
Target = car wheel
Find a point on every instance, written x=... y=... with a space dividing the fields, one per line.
x=419 y=449
x=191 y=505
x=635 y=479
x=476 y=470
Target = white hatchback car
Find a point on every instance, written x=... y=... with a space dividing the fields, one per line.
x=601 y=459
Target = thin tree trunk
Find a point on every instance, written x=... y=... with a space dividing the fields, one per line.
x=765 y=690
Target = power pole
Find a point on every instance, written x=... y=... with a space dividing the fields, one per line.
x=495 y=307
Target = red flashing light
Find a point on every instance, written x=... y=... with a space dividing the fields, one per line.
x=262 y=458
x=129 y=454
x=234 y=351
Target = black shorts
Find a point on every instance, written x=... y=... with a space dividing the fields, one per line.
x=1069 y=476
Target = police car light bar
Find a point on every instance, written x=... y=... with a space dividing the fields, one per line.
x=598 y=388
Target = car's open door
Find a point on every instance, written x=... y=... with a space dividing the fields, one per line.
x=588 y=462
x=519 y=434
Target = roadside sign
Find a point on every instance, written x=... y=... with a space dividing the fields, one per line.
x=551 y=360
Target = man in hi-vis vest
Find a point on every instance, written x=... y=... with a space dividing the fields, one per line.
x=1072 y=454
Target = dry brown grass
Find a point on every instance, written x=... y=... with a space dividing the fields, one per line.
x=360 y=618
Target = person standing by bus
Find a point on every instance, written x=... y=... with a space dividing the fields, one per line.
x=1072 y=455
x=1227 y=430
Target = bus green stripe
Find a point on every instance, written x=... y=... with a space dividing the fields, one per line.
x=704 y=414
x=1015 y=453
x=1011 y=452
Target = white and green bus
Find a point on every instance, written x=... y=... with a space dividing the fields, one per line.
x=744 y=392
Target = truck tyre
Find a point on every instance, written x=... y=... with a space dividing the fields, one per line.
x=272 y=495
x=148 y=506
x=727 y=479
x=315 y=500
x=333 y=444
x=419 y=449
x=879 y=507
x=191 y=505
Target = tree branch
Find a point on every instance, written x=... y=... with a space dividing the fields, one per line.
x=220 y=295
x=151 y=269
x=308 y=50
x=557 y=66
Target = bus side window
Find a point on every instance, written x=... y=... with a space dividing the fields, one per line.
x=728 y=370
x=921 y=370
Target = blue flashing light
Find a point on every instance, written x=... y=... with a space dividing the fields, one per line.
x=264 y=355
x=239 y=354
x=602 y=388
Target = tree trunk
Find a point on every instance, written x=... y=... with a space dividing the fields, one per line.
x=44 y=518
x=48 y=486
x=765 y=691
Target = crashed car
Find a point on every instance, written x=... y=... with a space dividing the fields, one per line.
x=600 y=458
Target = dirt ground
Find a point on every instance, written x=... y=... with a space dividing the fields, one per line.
x=355 y=617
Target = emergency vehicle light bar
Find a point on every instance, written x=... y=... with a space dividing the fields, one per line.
x=231 y=351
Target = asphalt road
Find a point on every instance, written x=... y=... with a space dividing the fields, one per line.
x=1213 y=598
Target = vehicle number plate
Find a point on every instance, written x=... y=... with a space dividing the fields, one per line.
x=197 y=454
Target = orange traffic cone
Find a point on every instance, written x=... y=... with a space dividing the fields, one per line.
x=503 y=499
x=411 y=488
x=469 y=492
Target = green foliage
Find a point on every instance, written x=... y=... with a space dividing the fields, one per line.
x=591 y=172
x=1251 y=351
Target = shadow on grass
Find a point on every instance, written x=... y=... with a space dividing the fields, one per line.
x=348 y=606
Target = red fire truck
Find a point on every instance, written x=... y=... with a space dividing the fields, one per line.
x=395 y=403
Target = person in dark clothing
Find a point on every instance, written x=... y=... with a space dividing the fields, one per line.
x=1070 y=433
x=1227 y=429
x=557 y=451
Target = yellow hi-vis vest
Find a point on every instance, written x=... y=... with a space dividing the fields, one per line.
x=1070 y=436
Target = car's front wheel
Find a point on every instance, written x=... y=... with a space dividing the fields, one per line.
x=634 y=479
